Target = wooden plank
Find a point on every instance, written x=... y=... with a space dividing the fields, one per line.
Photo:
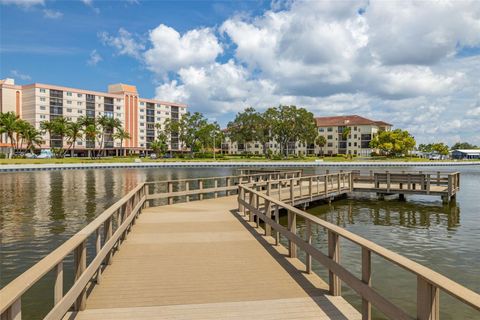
x=80 y=264
x=428 y=300
x=334 y=254
x=58 y=286
x=367 y=279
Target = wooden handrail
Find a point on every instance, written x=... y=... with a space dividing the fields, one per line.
x=428 y=280
x=11 y=294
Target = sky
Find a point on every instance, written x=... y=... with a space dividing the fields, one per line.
x=413 y=64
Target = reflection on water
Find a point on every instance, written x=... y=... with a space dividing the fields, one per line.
x=41 y=210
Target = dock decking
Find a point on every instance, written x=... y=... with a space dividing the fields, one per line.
x=202 y=260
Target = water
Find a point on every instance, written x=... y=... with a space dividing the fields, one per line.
x=40 y=210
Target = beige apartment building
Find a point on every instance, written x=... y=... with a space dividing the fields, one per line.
x=343 y=135
x=39 y=102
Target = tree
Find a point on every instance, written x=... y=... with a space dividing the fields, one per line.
x=291 y=124
x=463 y=145
x=8 y=126
x=438 y=147
x=91 y=132
x=249 y=126
x=21 y=127
x=60 y=131
x=121 y=134
x=321 y=142
x=74 y=132
x=393 y=143
x=32 y=137
x=188 y=128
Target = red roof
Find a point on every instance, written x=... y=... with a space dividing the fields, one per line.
x=353 y=120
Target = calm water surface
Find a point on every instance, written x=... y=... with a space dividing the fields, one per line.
x=40 y=210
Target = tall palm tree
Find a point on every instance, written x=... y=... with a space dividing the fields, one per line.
x=48 y=126
x=91 y=132
x=8 y=125
x=105 y=124
x=21 y=127
x=74 y=132
x=121 y=134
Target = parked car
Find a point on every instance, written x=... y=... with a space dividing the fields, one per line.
x=30 y=155
x=167 y=156
x=45 y=154
x=153 y=156
x=141 y=155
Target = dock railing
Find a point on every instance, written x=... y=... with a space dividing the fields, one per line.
x=429 y=283
x=108 y=231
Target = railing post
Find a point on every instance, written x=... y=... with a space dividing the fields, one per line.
x=428 y=300
x=351 y=181
x=428 y=183
x=450 y=184
x=310 y=188
x=107 y=234
x=388 y=181
x=367 y=279
x=292 y=227
x=241 y=196
x=253 y=199
x=228 y=183
x=269 y=187
x=308 y=261
x=268 y=213
x=14 y=312
x=170 y=190
x=80 y=264
x=325 y=185
x=187 y=188
x=215 y=185
x=200 y=187
x=335 y=284
x=58 y=287
x=277 y=220
x=292 y=195
x=98 y=247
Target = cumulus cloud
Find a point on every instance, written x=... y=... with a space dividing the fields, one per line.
x=390 y=61
x=89 y=3
x=94 y=58
x=194 y=48
x=52 y=14
x=125 y=43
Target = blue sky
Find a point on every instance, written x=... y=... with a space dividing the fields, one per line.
x=414 y=64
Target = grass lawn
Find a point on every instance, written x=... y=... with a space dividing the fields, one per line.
x=224 y=159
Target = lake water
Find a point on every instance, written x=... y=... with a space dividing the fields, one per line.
x=40 y=210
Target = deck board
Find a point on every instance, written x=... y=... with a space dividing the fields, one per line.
x=200 y=260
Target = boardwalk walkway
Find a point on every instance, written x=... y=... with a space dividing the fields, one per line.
x=202 y=260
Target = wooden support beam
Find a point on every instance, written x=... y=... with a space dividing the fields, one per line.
x=308 y=259
x=292 y=227
x=58 y=286
x=107 y=234
x=80 y=264
x=335 y=284
x=428 y=300
x=367 y=279
x=98 y=247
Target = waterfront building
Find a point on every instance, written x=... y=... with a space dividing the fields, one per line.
x=465 y=154
x=343 y=134
x=39 y=102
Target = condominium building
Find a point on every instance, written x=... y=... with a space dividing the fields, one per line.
x=343 y=135
x=349 y=134
x=39 y=102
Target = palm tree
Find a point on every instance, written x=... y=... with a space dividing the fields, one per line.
x=321 y=142
x=32 y=137
x=48 y=126
x=21 y=127
x=106 y=125
x=91 y=134
x=121 y=134
x=60 y=130
x=74 y=132
x=8 y=125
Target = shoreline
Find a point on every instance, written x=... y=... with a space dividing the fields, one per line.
x=198 y=164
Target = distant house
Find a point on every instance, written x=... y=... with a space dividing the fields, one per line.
x=466 y=154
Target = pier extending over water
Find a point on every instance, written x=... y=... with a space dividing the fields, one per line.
x=211 y=247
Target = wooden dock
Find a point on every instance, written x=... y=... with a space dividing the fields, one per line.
x=195 y=249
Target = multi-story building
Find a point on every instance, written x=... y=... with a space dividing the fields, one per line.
x=348 y=134
x=343 y=135
x=39 y=102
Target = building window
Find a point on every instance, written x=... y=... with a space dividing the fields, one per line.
x=79 y=95
x=330 y=129
x=330 y=144
x=43 y=99
x=43 y=108
x=69 y=101
x=159 y=112
x=80 y=111
x=159 y=119
x=142 y=131
x=321 y=130
x=79 y=103
x=142 y=110
x=142 y=117
x=42 y=116
x=119 y=108
x=69 y=110
x=354 y=144
x=142 y=124
x=42 y=90
x=330 y=137
x=69 y=94
x=142 y=103
x=354 y=128
x=167 y=113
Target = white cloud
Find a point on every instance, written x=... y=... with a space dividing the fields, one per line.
x=124 y=44
x=52 y=14
x=89 y=3
x=23 y=3
x=22 y=76
x=390 y=61
x=171 y=51
x=94 y=58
